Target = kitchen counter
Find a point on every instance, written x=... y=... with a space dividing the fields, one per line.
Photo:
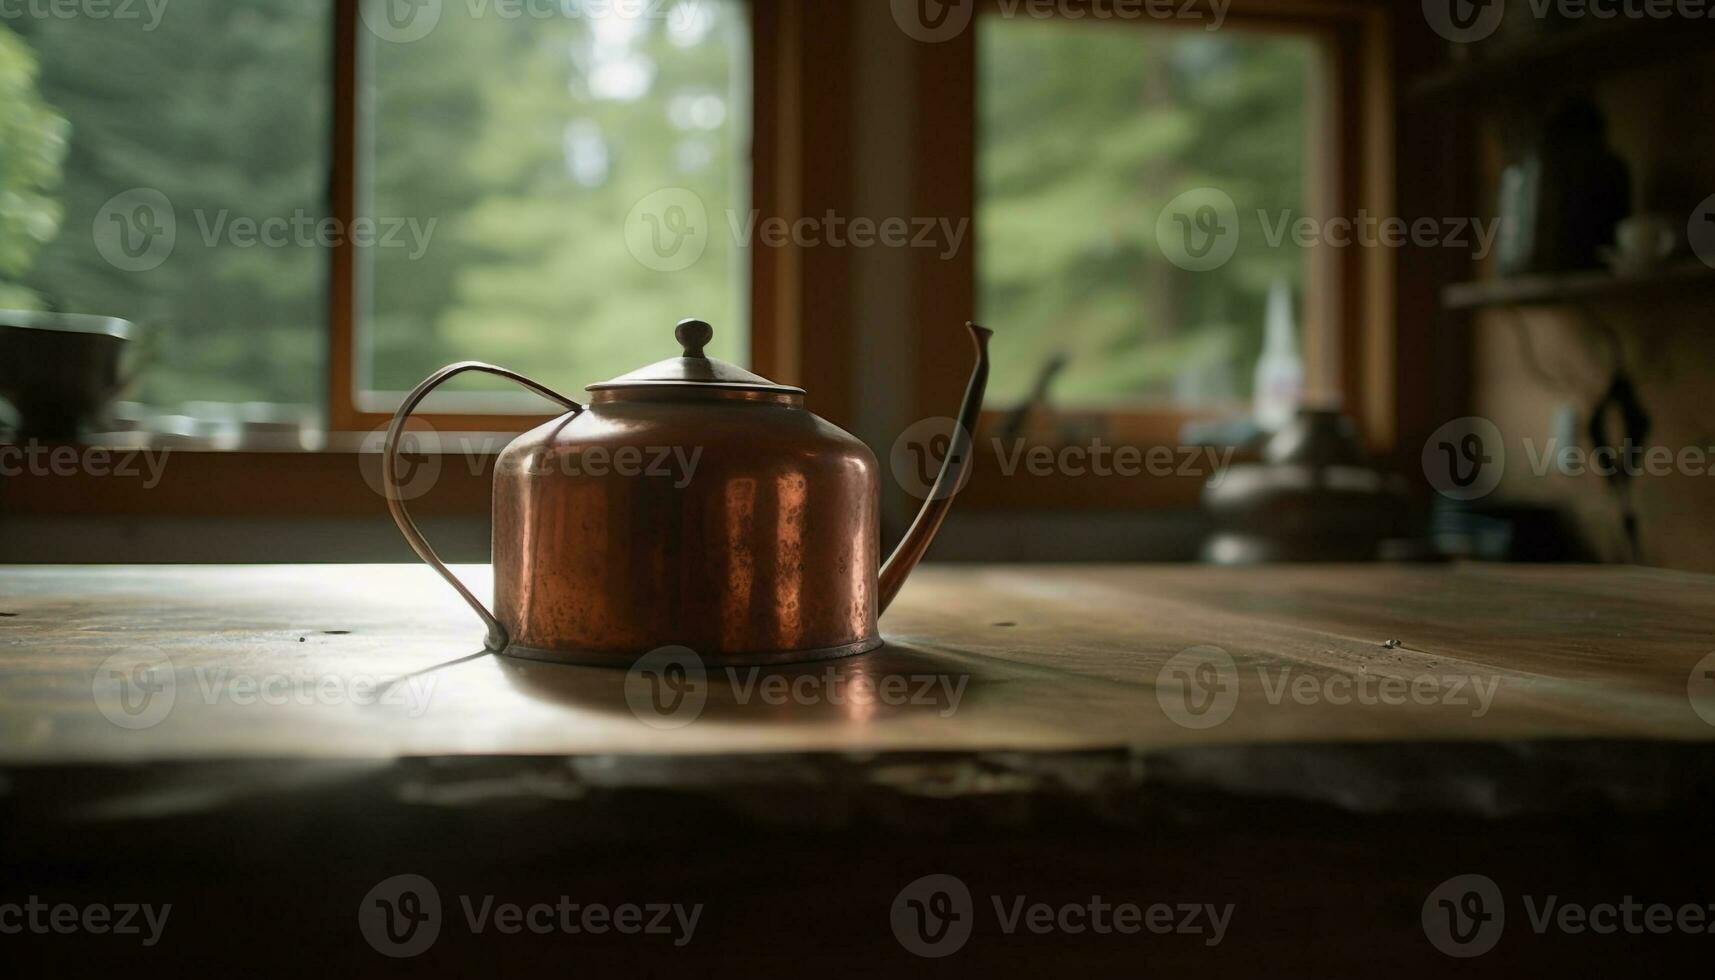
x=1031 y=721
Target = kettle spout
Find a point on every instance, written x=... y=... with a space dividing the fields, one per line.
x=953 y=466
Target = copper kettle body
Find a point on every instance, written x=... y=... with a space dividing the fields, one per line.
x=690 y=503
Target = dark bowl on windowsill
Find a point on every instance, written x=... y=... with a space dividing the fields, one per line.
x=59 y=371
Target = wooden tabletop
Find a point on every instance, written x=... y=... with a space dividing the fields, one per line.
x=1244 y=677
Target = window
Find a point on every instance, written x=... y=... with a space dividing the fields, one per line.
x=542 y=169
x=310 y=206
x=1089 y=131
x=167 y=152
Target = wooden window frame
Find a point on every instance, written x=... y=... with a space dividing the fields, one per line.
x=1352 y=357
x=345 y=405
x=803 y=57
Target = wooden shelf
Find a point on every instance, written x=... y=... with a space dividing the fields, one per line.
x=1576 y=287
x=1580 y=53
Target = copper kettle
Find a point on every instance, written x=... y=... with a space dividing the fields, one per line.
x=690 y=503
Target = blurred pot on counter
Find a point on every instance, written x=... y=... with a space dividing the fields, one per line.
x=60 y=370
x=1314 y=498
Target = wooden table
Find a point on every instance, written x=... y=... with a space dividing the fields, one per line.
x=1319 y=746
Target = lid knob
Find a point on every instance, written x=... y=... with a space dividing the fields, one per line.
x=694 y=335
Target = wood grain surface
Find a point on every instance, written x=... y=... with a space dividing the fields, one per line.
x=266 y=662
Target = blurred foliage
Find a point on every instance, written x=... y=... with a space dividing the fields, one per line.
x=32 y=148
x=1087 y=131
x=516 y=145
x=532 y=165
x=520 y=144
x=222 y=108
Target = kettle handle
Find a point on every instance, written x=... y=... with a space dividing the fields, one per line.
x=497 y=637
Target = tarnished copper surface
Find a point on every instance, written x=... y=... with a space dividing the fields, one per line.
x=758 y=534
x=690 y=504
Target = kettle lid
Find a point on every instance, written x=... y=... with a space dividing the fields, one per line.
x=693 y=367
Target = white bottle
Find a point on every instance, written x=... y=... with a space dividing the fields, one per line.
x=1280 y=370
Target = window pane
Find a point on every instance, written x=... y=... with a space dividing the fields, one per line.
x=576 y=165
x=194 y=158
x=1088 y=131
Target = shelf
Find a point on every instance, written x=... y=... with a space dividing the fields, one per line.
x=1576 y=287
x=1580 y=53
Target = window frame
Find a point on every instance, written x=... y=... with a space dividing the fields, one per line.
x=1351 y=356
x=803 y=63
x=345 y=407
